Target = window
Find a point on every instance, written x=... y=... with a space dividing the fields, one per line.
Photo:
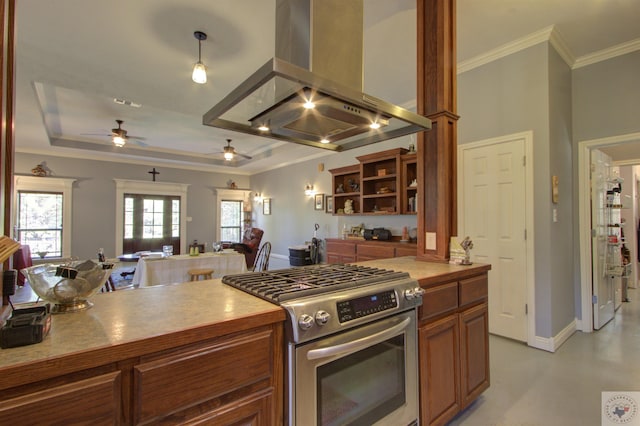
x=42 y=214
x=231 y=220
x=40 y=222
x=233 y=213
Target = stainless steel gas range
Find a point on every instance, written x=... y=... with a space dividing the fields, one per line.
x=351 y=342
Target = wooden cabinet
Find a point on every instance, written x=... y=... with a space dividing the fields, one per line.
x=379 y=184
x=349 y=251
x=453 y=347
x=409 y=179
x=172 y=386
x=341 y=251
x=232 y=379
x=346 y=186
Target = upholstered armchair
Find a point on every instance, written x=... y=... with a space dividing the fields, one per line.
x=250 y=245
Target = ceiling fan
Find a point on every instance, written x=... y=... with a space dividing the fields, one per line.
x=230 y=152
x=119 y=136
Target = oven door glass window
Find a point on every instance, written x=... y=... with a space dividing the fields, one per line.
x=363 y=387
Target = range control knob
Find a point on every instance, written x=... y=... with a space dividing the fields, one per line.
x=413 y=293
x=322 y=317
x=305 y=321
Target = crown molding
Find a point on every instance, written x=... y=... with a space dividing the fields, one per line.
x=506 y=49
x=553 y=36
x=560 y=45
x=604 y=54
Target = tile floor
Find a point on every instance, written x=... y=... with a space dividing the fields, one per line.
x=534 y=387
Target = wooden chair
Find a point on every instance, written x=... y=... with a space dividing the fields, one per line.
x=195 y=274
x=262 y=258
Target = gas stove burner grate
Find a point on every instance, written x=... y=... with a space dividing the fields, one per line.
x=285 y=284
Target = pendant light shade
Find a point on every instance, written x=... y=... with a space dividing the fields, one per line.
x=199 y=74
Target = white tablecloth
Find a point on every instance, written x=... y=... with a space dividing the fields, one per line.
x=169 y=270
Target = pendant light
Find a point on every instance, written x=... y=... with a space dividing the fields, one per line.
x=199 y=70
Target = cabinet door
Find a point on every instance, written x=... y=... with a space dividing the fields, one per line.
x=439 y=371
x=94 y=401
x=254 y=410
x=474 y=352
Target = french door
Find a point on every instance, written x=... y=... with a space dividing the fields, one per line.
x=151 y=221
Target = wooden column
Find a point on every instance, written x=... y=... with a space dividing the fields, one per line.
x=7 y=80
x=437 y=206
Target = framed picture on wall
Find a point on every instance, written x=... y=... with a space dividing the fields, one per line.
x=329 y=204
x=266 y=206
x=319 y=202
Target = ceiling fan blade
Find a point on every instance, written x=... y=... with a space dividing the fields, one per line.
x=140 y=138
x=243 y=156
x=95 y=134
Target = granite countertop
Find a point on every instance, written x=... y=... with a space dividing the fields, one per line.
x=121 y=318
x=127 y=323
x=427 y=272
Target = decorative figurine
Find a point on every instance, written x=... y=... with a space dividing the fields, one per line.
x=231 y=184
x=339 y=189
x=466 y=245
x=353 y=185
x=348 y=207
x=413 y=183
x=412 y=148
x=39 y=170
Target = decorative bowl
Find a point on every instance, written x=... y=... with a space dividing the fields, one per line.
x=68 y=286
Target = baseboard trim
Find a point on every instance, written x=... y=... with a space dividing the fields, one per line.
x=551 y=344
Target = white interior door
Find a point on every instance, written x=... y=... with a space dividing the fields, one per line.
x=494 y=216
x=603 y=287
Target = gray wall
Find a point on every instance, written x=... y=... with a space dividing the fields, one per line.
x=293 y=216
x=561 y=290
x=94 y=197
x=606 y=98
x=512 y=95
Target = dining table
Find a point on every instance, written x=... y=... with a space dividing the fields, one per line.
x=156 y=269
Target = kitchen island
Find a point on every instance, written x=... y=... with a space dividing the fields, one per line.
x=197 y=350
x=205 y=351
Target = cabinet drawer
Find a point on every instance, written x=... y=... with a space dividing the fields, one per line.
x=348 y=249
x=100 y=399
x=174 y=382
x=406 y=251
x=439 y=300
x=375 y=252
x=474 y=289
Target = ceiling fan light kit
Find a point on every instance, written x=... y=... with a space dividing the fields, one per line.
x=199 y=74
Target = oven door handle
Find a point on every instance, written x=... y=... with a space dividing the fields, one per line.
x=358 y=344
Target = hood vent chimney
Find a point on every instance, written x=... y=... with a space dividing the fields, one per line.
x=311 y=92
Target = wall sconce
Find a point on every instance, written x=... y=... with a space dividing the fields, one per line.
x=199 y=74
x=258 y=197
x=309 y=191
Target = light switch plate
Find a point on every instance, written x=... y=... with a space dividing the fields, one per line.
x=430 y=238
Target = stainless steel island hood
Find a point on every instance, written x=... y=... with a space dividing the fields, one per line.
x=310 y=93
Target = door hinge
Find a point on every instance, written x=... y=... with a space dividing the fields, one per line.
x=526 y=309
x=593 y=233
x=525 y=234
x=594 y=299
x=524 y=160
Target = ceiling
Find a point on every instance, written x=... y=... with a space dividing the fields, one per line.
x=74 y=57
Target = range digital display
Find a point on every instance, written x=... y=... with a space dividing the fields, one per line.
x=362 y=306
